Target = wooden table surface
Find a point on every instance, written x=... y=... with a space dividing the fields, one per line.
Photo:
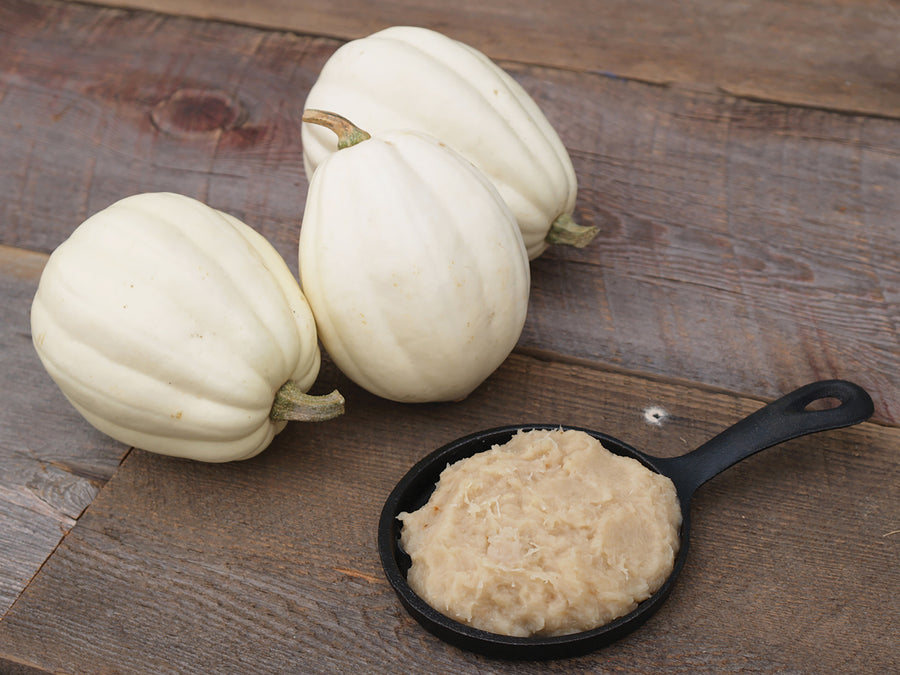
x=742 y=163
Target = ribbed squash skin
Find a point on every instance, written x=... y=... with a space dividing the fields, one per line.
x=413 y=78
x=170 y=326
x=414 y=267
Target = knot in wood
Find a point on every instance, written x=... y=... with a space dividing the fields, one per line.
x=197 y=112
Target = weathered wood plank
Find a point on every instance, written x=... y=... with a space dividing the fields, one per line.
x=53 y=465
x=92 y=119
x=744 y=245
x=270 y=565
x=741 y=243
x=840 y=55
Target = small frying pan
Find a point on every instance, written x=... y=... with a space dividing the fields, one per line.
x=782 y=420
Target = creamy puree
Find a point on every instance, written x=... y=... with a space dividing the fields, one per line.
x=548 y=534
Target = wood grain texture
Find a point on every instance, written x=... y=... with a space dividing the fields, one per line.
x=119 y=103
x=744 y=245
x=270 y=565
x=840 y=55
x=52 y=464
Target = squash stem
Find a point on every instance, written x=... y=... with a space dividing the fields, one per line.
x=564 y=230
x=348 y=133
x=293 y=404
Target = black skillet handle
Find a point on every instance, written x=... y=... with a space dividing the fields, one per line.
x=779 y=421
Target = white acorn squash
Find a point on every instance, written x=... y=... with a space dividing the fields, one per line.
x=413 y=265
x=173 y=327
x=405 y=77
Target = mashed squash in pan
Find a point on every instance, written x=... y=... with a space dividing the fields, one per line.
x=548 y=534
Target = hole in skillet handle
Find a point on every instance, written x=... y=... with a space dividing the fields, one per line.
x=414 y=490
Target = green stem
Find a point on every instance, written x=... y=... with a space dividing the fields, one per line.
x=348 y=133
x=565 y=230
x=293 y=404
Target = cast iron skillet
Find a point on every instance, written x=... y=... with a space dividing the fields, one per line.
x=782 y=420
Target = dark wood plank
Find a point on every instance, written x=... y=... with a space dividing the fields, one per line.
x=52 y=464
x=841 y=55
x=270 y=565
x=99 y=104
x=743 y=245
